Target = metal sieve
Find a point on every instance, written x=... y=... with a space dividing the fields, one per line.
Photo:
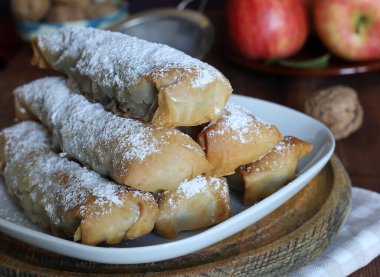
x=184 y=29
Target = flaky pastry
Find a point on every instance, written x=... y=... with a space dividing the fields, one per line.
x=236 y=138
x=139 y=155
x=71 y=201
x=198 y=203
x=135 y=78
x=270 y=172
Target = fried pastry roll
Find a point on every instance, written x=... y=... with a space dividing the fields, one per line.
x=198 y=203
x=236 y=138
x=270 y=172
x=135 y=78
x=139 y=155
x=71 y=201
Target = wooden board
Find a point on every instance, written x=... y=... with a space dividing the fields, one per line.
x=283 y=241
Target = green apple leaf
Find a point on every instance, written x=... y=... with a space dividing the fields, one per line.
x=319 y=62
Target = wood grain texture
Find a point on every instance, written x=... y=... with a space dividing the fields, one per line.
x=283 y=241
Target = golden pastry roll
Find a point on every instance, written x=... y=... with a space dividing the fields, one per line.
x=198 y=203
x=133 y=153
x=70 y=200
x=135 y=78
x=236 y=138
x=270 y=172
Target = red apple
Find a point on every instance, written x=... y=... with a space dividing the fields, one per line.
x=267 y=28
x=350 y=29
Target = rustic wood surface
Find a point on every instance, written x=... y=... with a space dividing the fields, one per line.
x=283 y=241
x=359 y=153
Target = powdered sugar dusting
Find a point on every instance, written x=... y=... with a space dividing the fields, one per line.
x=238 y=122
x=89 y=133
x=55 y=184
x=115 y=59
x=27 y=137
x=280 y=147
x=192 y=187
x=196 y=187
x=274 y=159
x=197 y=203
x=203 y=77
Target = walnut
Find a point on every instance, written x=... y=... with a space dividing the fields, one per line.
x=30 y=10
x=339 y=108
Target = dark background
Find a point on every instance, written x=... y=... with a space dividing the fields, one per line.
x=10 y=43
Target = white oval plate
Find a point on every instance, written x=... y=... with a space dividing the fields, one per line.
x=152 y=248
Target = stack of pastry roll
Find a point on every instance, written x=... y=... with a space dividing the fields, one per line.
x=140 y=155
x=148 y=89
x=70 y=200
x=115 y=115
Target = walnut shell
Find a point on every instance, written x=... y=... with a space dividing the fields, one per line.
x=30 y=10
x=339 y=108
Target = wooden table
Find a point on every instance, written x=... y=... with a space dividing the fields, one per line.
x=359 y=152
